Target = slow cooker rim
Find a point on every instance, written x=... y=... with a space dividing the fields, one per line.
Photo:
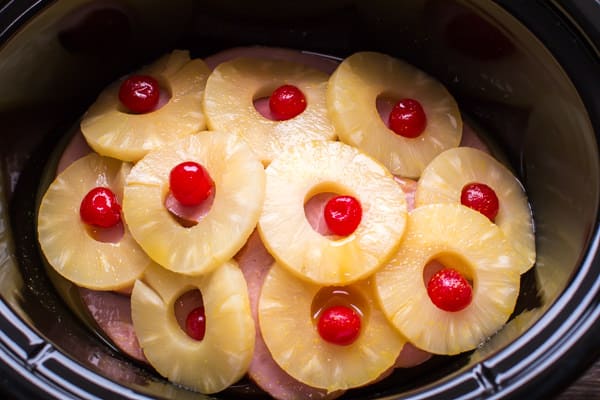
x=579 y=301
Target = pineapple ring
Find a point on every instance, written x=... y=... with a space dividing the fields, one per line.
x=65 y=239
x=111 y=131
x=222 y=357
x=234 y=85
x=239 y=191
x=352 y=95
x=291 y=335
x=443 y=179
x=463 y=239
x=324 y=166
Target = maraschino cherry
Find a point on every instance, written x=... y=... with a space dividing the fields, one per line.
x=139 y=93
x=482 y=198
x=449 y=290
x=190 y=183
x=195 y=323
x=408 y=118
x=343 y=215
x=100 y=208
x=286 y=102
x=339 y=325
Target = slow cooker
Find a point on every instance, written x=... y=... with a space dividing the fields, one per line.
x=527 y=72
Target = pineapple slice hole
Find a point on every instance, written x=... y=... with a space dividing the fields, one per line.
x=261 y=101
x=330 y=296
x=313 y=210
x=448 y=260
x=164 y=97
x=185 y=304
x=384 y=104
x=314 y=205
x=114 y=234
x=188 y=216
x=264 y=92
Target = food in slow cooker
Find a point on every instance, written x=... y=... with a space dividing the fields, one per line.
x=313 y=266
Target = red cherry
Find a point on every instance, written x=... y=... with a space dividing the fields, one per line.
x=190 y=183
x=195 y=323
x=449 y=290
x=286 y=102
x=339 y=325
x=480 y=197
x=100 y=208
x=343 y=215
x=139 y=93
x=408 y=118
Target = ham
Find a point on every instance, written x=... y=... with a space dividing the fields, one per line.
x=189 y=215
x=112 y=311
x=76 y=148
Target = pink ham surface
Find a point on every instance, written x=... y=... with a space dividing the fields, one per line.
x=188 y=215
x=112 y=311
x=76 y=149
x=185 y=304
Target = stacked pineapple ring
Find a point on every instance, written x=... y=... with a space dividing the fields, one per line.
x=446 y=232
x=239 y=181
x=305 y=354
x=370 y=262
x=223 y=355
x=324 y=166
x=233 y=87
x=311 y=262
x=70 y=245
x=443 y=179
x=113 y=131
x=365 y=77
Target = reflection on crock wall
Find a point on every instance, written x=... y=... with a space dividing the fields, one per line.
x=81 y=45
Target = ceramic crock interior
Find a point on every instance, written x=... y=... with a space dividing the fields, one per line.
x=504 y=79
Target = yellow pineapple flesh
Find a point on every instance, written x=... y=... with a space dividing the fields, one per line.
x=68 y=243
x=229 y=104
x=290 y=333
x=319 y=167
x=112 y=131
x=218 y=360
x=239 y=180
x=443 y=179
x=465 y=240
x=352 y=95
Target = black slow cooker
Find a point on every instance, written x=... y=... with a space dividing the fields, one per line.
x=527 y=72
